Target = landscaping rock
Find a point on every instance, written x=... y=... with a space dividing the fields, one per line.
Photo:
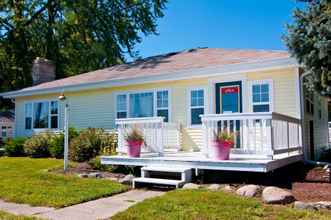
x=127 y=179
x=304 y=205
x=275 y=195
x=323 y=205
x=248 y=190
x=227 y=188
x=214 y=187
x=191 y=186
x=95 y=175
x=83 y=175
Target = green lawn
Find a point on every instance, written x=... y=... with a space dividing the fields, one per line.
x=7 y=216
x=25 y=180
x=202 y=204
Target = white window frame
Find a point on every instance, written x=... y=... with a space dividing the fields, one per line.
x=189 y=107
x=271 y=94
x=155 y=108
x=25 y=116
x=49 y=114
x=4 y=130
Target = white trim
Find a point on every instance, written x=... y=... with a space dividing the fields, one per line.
x=49 y=114
x=297 y=92
x=263 y=64
x=154 y=91
x=205 y=103
x=271 y=93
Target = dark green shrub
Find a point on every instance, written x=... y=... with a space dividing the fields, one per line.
x=15 y=147
x=95 y=164
x=38 y=145
x=56 y=146
x=89 y=144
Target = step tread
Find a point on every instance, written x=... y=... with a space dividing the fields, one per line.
x=157 y=181
x=173 y=169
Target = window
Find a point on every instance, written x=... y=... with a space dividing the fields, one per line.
x=54 y=114
x=196 y=106
x=162 y=103
x=261 y=97
x=121 y=106
x=28 y=116
x=3 y=131
x=143 y=104
x=41 y=115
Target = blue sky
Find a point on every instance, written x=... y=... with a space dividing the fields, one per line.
x=255 y=24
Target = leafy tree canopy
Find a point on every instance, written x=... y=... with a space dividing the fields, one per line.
x=78 y=36
x=309 y=41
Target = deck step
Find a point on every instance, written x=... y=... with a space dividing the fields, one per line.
x=176 y=183
x=172 y=169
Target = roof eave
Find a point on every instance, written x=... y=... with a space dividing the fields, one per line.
x=178 y=75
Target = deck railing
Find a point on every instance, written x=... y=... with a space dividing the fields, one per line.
x=158 y=135
x=265 y=134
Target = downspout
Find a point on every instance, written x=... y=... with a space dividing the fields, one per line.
x=302 y=109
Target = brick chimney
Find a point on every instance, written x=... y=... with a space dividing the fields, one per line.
x=43 y=70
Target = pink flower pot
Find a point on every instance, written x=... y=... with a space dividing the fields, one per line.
x=134 y=148
x=221 y=150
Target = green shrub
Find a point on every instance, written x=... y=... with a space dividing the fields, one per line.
x=56 y=145
x=95 y=164
x=89 y=144
x=15 y=147
x=38 y=145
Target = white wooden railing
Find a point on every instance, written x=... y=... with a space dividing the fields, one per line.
x=266 y=134
x=158 y=135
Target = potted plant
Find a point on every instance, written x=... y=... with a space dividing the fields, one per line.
x=134 y=139
x=222 y=145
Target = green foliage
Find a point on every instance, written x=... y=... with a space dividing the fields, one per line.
x=309 y=41
x=38 y=145
x=89 y=144
x=134 y=135
x=79 y=36
x=56 y=145
x=15 y=147
x=224 y=136
x=95 y=163
x=26 y=180
x=8 y=216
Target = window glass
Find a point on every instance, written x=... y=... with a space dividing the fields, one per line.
x=4 y=131
x=121 y=106
x=261 y=99
x=141 y=105
x=28 y=116
x=41 y=114
x=54 y=107
x=54 y=114
x=197 y=106
x=162 y=99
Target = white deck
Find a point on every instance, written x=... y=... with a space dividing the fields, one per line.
x=196 y=160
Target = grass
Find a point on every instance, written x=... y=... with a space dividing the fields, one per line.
x=203 y=204
x=7 y=216
x=26 y=180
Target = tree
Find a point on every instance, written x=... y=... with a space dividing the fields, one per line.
x=78 y=36
x=309 y=41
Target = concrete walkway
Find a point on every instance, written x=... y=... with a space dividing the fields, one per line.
x=102 y=208
x=22 y=209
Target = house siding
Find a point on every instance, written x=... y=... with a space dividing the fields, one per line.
x=96 y=108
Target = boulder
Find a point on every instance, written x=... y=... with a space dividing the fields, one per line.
x=275 y=195
x=304 y=205
x=214 y=187
x=191 y=186
x=323 y=205
x=95 y=175
x=127 y=179
x=227 y=188
x=248 y=190
x=83 y=175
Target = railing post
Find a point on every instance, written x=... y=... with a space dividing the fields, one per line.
x=272 y=139
x=288 y=137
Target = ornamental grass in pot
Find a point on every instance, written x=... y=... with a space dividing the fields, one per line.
x=135 y=139
x=222 y=145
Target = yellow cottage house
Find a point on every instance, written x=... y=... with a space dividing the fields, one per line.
x=179 y=100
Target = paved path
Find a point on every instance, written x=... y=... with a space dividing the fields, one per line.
x=101 y=208
x=22 y=209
